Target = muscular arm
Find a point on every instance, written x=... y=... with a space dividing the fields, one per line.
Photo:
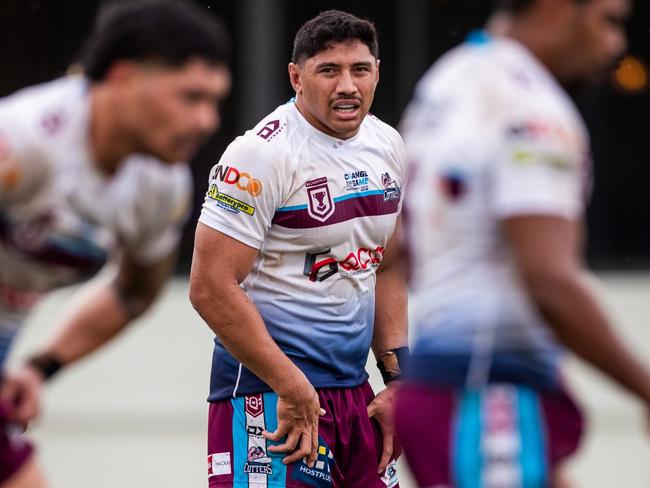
x=391 y=320
x=219 y=265
x=546 y=250
x=104 y=308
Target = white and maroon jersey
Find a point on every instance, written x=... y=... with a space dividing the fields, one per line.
x=61 y=219
x=321 y=211
x=489 y=135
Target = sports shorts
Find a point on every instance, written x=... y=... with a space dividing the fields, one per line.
x=503 y=435
x=15 y=450
x=349 y=444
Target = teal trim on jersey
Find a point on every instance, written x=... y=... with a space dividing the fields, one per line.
x=279 y=476
x=293 y=207
x=466 y=457
x=239 y=440
x=533 y=446
x=336 y=200
x=478 y=37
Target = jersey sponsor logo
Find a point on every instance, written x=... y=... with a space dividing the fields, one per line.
x=232 y=176
x=320 y=203
x=361 y=261
x=500 y=443
x=356 y=181
x=219 y=464
x=258 y=463
x=453 y=184
x=320 y=475
x=391 y=190
x=270 y=130
x=254 y=405
x=229 y=203
x=10 y=171
x=390 y=477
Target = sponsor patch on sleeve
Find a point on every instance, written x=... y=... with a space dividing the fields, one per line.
x=229 y=203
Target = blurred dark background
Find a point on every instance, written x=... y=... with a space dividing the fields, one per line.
x=40 y=38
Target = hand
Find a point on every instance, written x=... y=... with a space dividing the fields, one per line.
x=381 y=409
x=20 y=392
x=298 y=420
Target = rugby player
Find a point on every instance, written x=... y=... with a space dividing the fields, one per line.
x=295 y=271
x=92 y=172
x=500 y=180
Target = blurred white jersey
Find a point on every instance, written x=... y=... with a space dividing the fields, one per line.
x=489 y=135
x=61 y=219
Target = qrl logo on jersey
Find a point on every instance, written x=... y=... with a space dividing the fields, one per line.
x=359 y=261
x=232 y=176
x=254 y=405
x=320 y=203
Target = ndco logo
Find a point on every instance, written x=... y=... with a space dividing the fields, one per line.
x=232 y=176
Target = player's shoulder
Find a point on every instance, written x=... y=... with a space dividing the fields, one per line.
x=163 y=191
x=268 y=142
x=47 y=108
x=383 y=132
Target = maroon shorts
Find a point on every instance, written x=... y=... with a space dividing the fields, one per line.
x=15 y=450
x=502 y=435
x=349 y=444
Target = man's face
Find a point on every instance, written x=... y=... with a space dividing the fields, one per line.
x=597 y=38
x=335 y=87
x=171 y=111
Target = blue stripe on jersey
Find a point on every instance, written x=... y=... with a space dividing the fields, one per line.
x=239 y=440
x=337 y=199
x=279 y=476
x=466 y=457
x=533 y=449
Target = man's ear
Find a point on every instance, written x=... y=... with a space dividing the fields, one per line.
x=294 y=77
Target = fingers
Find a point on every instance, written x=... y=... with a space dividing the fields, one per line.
x=386 y=453
x=304 y=451
x=313 y=455
x=288 y=445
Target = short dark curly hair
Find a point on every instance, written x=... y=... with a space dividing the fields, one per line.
x=170 y=32
x=331 y=27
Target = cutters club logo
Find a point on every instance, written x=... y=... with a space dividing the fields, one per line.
x=320 y=203
x=232 y=176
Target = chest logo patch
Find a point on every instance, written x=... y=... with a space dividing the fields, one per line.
x=320 y=205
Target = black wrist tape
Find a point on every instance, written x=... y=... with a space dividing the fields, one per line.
x=391 y=363
x=46 y=364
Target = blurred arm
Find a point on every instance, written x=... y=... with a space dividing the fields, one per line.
x=546 y=250
x=104 y=308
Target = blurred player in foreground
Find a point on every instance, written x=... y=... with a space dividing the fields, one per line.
x=300 y=211
x=92 y=171
x=500 y=180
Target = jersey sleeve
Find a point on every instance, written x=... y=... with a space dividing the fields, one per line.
x=245 y=188
x=162 y=217
x=539 y=169
x=23 y=166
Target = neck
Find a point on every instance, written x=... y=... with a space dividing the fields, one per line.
x=529 y=32
x=110 y=144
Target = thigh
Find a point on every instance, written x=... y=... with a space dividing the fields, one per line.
x=15 y=450
x=423 y=423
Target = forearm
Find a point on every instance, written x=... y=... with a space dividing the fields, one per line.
x=391 y=315
x=92 y=318
x=233 y=317
x=572 y=310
